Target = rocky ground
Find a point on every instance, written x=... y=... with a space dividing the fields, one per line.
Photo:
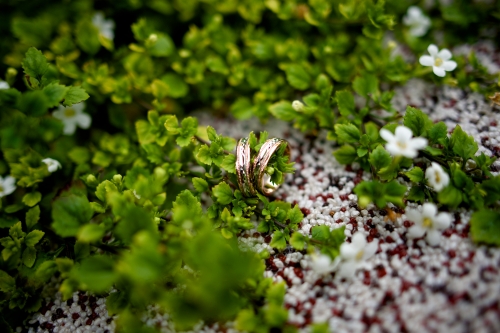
x=408 y=286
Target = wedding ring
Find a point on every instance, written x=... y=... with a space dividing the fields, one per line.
x=262 y=181
x=243 y=168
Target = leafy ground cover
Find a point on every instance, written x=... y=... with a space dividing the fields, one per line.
x=110 y=182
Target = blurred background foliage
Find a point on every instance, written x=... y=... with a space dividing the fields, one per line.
x=124 y=211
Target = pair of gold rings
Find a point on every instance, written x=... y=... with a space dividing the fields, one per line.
x=251 y=170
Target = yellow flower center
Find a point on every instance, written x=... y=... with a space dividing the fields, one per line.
x=1 y=189
x=69 y=113
x=438 y=62
x=438 y=177
x=359 y=255
x=427 y=222
x=402 y=145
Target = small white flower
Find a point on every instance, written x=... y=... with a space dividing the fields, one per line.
x=354 y=253
x=4 y=85
x=439 y=60
x=437 y=177
x=7 y=185
x=104 y=26
x=402 y=143
x=322 y=264
x=52 y=164
x=428 y=222
x=298 y=106
x=72 y=116
x=419 y=23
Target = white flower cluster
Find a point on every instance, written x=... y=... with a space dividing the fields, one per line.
x=438 y=60
x=402 y=142
x=71 y=116
x=7 y=185
x=352 y=255
x=417 y=22
x=428 y=222
x=104 y=26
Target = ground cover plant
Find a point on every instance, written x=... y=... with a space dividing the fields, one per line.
x=110 y=182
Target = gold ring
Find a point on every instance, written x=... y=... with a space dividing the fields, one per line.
x=243 y=168
x=262 y=183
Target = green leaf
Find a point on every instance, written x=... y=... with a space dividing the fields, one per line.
x=417 y=121
x=283 y=110
x=200 y=184
x=437 y=132
x=172 y=124
x=176 y=86
x=450 y=196
x=29 y=256
x=297 y=76
x=416 y=174
x=32 y=217
x=79 y=155
x=96 y=273
x=365 y=85
x=7 y=282
x=295 y=215
x=32 y=198
x=33 y=103
x=416 y=194
x=33 y=237
x=69 y=212
x=229 y=163
x=462 y=144
x=91 y=233
x=320 y=233
x=35 y=64
x=345 y=154
x=345 y=102
x=55 y=93
x=347 y=133
x=75 y=95
x=485 y=227
x=204 y=155
x=278 y=241
x=242 y=108
x=298 y=241
x=223 y=193
x=380 y=158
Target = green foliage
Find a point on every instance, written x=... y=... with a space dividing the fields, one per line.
x=139 y=232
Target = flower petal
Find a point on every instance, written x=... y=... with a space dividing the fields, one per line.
x=426 y=60
x=444 y=54
x=403 y=134
x=387 y=135
x=348 y=251
x=415 y=216
x=418 y=143
x=429 y=210
x=359 y=240
x=415 y=231
x=69 y=128
x=409 y=152
x=439 y=71
x=83 y=120
x=347 y=270
x=78 y=107
x=393 y=149
x=433 y=50
x=370 y=249
x=433 y=237
x=449 y=65
x=442 y=221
